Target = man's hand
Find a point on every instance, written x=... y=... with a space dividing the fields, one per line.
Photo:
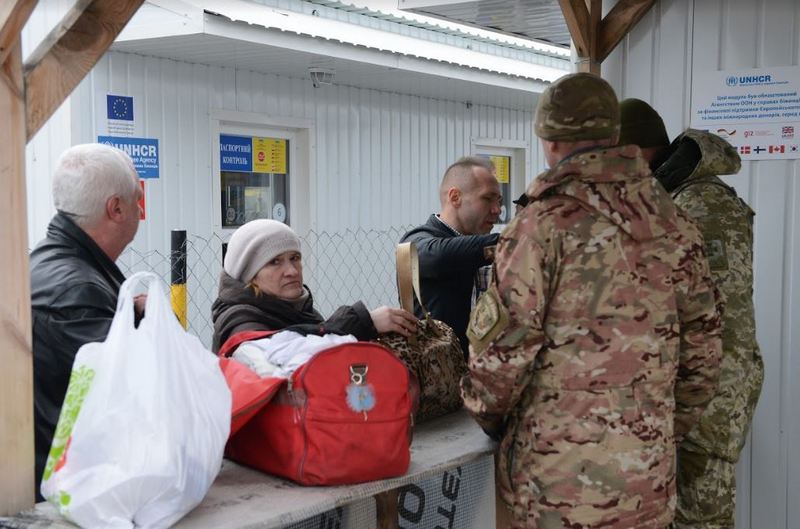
x=388 y=319
x=138 y=304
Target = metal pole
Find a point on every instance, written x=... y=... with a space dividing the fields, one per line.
x=177 y=288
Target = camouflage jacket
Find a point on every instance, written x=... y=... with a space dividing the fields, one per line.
x=726 y=222
x=596 y=344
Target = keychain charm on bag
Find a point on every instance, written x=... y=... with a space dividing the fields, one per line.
x=360 y=395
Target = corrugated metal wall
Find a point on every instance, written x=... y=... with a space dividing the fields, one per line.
x=378 y=160
x=656 y=63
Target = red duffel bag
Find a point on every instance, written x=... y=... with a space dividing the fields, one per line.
x=343 y=417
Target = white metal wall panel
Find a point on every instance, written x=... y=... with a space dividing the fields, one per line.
x=379 y=155
x=655 y=63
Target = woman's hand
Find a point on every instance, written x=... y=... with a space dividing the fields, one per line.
x=388 y=319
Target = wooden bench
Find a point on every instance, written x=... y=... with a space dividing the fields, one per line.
x=241 y=497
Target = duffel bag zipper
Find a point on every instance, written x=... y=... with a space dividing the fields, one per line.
x=348 y=421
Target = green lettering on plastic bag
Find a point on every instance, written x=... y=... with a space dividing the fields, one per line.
x=79 y=383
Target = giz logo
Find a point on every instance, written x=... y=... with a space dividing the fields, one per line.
x=748 y=133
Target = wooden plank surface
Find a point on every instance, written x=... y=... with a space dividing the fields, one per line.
x=618 y=23
x=576 y=15
x=595 y=15
x=16 y=388
x=13 y=15
x=386 y=507
x=244 y=498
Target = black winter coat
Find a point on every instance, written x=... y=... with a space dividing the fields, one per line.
x=74 y=288
x=237 y=308
x=447 y=266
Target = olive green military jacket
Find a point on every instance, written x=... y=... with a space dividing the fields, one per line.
x=726 y=222
x=596 y=345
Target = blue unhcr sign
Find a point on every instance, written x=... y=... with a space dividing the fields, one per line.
x=143 y=152
x=235 y=153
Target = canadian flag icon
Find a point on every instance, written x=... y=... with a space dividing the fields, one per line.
x=777 y=149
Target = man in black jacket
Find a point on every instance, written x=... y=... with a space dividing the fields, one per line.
x=452 y=244
x=74 y=280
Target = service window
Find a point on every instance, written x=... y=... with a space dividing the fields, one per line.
x=254 y=179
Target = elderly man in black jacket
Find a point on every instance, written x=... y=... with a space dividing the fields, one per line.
x=452 y=244
x=74 y=280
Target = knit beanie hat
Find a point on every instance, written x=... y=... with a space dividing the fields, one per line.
x=255 y=244
x=641 y=125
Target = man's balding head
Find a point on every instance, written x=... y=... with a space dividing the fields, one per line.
x=470 y=196
x=461 y=175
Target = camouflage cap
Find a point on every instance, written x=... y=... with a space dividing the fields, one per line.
x=577 y=107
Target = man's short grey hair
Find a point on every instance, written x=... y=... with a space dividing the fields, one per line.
x=87 y=175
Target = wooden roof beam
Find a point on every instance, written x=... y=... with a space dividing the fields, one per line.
x=13 y=15
x=618 y=23
x=576 y=14
x=595 y=37
x=68 y=53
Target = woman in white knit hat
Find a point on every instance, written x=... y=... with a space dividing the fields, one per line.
x=261 y=288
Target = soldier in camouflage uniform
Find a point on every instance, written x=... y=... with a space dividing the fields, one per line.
x=597 y=343
x=688 y=169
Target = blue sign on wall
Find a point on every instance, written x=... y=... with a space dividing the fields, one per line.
x=119 y=107
x=235 y=153
x=143 y=152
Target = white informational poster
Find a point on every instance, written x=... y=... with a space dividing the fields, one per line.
x=757 y=111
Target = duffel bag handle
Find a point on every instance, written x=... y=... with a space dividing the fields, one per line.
x=407 y=263
x=408 y=276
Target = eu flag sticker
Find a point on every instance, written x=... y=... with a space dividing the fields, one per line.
x=120 y=107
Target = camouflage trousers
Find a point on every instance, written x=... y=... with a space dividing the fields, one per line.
x=706 y=492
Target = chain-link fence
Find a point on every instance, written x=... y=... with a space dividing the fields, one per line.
x=339 y=268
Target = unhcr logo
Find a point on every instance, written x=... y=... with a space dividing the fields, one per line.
x=733 y=80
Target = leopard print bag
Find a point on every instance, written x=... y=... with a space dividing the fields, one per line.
x=434 y=354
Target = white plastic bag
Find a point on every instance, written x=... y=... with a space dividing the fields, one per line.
x=144 y=423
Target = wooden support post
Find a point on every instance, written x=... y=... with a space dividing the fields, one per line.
x=596 y=37
x=16 y=389
x=386 y=506
x=592 y=64
x=28 y=97
x=583 y=19
x=576 y=16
